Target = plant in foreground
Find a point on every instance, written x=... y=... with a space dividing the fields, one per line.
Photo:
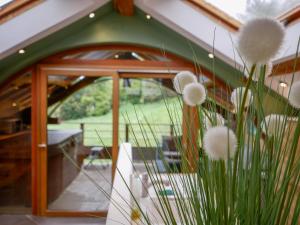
x=244 y=172
x=241 y=169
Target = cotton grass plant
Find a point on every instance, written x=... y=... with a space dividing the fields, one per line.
x=241 y=169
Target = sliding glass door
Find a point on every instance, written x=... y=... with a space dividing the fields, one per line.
x=79 y=146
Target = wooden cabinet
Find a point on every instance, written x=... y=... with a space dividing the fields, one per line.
x=64 y=150
x=15 y=169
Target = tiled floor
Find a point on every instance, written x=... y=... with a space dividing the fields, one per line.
x=84 y=194
x=34 y=220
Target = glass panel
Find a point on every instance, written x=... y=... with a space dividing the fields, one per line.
x=145 y=109
x=3 y=3
x=117 y=54
x=244 y=10
x=79 y=143
x=15 y=146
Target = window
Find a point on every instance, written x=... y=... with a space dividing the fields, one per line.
x=4 y=3
x=240 y=11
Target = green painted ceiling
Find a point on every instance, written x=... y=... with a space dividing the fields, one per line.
x=108 y=27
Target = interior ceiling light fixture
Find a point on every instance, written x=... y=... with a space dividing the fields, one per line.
x=21 y=51
x=283 y=84
x=211 y=56
x=116 y=56
x=148 y=16
x=92 y=15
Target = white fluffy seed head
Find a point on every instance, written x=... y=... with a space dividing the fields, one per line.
x=213 y=119
x=220 y=143
x=294 y=97
x=237 y=97
x=194 y=94
x=182 y=79
x=260 y=39
x=273 y=125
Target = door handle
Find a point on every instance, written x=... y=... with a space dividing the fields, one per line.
x=42 y=145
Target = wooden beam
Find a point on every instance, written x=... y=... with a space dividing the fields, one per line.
x=216 y=14
x=64 y=213
x=15 y=8
x=60 y=83
x=124 y=7
x=190 y=139
x=286 y=67
x=116 y=47
x=146 y=75
x=15 y=94
x=109 y=66
x=290 y=16
x=115 y=108
x=42 y=141
x=16 y=76
x=112 y=64
x=65 y=93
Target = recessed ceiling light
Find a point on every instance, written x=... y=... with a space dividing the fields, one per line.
x=21 y=51
x=283 y=84
x=116 y=56
x=92 y=15
x=14 y=104
x=210 y=55
x=148 y=16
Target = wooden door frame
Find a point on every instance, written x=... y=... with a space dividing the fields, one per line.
x=39 y=133
x=39 y=123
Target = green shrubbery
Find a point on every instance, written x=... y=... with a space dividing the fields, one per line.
x=96 y=99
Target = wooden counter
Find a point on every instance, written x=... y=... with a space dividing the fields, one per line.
x=15 y=164
x=15 y=169
x=64 y=149
x=9 y=136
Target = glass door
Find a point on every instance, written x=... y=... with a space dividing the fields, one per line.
x=150 y=117
x=79 y=145
x=79 y=134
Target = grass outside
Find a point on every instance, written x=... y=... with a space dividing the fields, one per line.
x=99 y=129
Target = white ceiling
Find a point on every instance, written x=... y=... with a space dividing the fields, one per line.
x=42 y=20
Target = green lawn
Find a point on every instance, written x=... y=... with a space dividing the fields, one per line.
x=155 y=113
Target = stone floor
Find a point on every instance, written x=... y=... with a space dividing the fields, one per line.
x=34 y=220
x=87 y=192
x=67 y=200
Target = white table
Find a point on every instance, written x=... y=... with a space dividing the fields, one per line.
x=119 y=209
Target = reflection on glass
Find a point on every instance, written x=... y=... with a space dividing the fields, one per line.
x=79 y=143
x=146 y=106
x=118 y=54
x=15 y=146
